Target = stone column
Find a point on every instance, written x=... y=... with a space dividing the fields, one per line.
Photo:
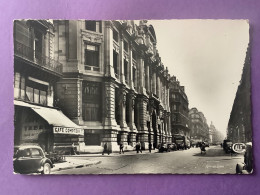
x=133 y=129
x=157 y=85
x=109 y=70
x=122 y=107
x=130 y=67
x=154 y=81
x=147 y=78
x=121 y=59
x=140 y=66
x=142 y=135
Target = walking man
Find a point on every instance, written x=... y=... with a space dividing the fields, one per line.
x=121 y=147
x=105 y=149
x=150 y=147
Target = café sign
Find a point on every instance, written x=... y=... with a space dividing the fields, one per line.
x=68 y=131
x=239 y=147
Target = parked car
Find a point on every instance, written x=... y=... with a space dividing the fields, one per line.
x=31 y=159
x=247 y=166
x=164 y=148
x=206 y=144
x=172 y=146
x=227 y=146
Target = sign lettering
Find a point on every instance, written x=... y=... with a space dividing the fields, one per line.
x=67 y=130
x=239 y=147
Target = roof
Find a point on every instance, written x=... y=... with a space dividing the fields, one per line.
x=51 y=115
x=27 y=146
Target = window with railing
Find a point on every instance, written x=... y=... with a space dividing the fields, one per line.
x=92 y=101
x=91 y=57
x=32 y=49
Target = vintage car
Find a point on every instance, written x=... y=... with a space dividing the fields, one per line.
x=206 y=143
x=247 y=166
x=31 y=159
x=164 y=148
x=172 y=146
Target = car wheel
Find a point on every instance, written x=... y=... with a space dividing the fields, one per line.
x=46 y=168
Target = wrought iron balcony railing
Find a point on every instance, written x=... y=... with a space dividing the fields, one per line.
x=37 y=58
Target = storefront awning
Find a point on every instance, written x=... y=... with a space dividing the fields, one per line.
x=61 y=123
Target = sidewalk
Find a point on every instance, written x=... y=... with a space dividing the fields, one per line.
x=71 y=163
x=129 y=153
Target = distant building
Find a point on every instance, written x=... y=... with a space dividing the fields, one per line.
x=215 y=136
x=179 y=109
x=239 y=125
x=198 y=125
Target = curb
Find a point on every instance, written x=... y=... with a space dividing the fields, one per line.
x=75 y=166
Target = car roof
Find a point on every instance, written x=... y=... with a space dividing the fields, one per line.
x=27 y=146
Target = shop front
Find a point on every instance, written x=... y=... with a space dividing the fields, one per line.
x=47 y=127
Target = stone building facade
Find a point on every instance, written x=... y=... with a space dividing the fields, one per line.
x=198 y=125
x=239 y=124
x=114 y=84
x=35 y=75
x=179 y=106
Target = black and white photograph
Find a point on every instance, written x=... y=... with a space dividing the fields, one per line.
x=132 y=97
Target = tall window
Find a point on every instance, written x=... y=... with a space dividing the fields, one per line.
x=126 y=70
x=134 y=55
x=115 y=35
x=38 y=45
x=91 y=55
x=134 y=76
x=92 y=101
x=125 y=46
x=115 y=62
x=93 y=25
x=36 y=92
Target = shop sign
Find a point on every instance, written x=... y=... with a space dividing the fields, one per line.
x=67 y=130
x=239 y=147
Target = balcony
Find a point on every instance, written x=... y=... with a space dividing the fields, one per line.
x=37 y=58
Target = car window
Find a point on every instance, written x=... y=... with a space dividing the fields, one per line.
x=24 y=153
x=36 y=152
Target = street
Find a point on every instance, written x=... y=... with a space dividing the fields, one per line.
x=191 y=161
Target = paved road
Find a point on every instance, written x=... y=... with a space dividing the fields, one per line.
x=177 y=162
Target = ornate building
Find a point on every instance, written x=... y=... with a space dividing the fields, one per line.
x=198 y=125
x=114 y=84
x=35 y=75
x=179 y=108
x=215 y=136
x=239 y=125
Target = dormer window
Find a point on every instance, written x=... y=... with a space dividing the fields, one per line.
x=93 y=25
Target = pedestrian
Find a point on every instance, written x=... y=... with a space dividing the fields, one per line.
x=150 y=147
x=121 y=147
x=105 y=149
x=72 y=150
x=154 y=146
x=140 y=147
x=137 y=147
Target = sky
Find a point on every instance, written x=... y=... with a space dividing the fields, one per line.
x=207 y=57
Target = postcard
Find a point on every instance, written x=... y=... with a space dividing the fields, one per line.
x=132 y=97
